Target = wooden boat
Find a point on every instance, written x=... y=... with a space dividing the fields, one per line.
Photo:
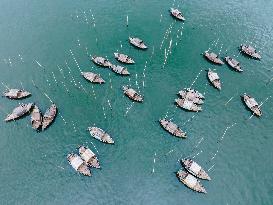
x=19 y=111
x=188 y=105
x=124 y=58
x=36 y=118
x=213 y=58
x=16 y=94
x=172 y=128
x=137 y=43
x=78 y=164
x=120 y=70
x=214 y=79
x=177 y=14
x=92 y=77
x=191 y=96
x=252 y=104
x=195 y=169
x=132 y=94
x=190 y=181
x=101 y=61
x=89 y=157
x=250 y=51
x=195 y=92
x=233 y=63
x=100 y=135
x=49 y=116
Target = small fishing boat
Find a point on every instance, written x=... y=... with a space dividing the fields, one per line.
x=19 y=111
x=100 y=135
x=172 y=128
x=92 y=77
x=101 y=61
x=78 y=164
x=191 y=96
x=195 y=92
x=195 y=169
x=252 y=104
x=132 y=94
x=124 y=58
x=233 y=63
x=16 y=94
x=214 y=79
x=250 y=51
x=177 y=14
x=188 y=105
x=49 y=116
x=213 y=58
x=137 y=43
x=36 y=118
x=120 y=70
x=190 y=181
x=89 y=157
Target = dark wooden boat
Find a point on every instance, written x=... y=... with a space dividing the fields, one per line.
x=92 y=77
x=89 y=157
x=195 y=169
x=172 y=128
x=16 y=94
x=132 y=94
x=100 y=135
x=252 y=104
x=78 y=164
x=49 y=116
x=213 y=58
x=177 y=14
x=233 y=63
x=250 y=51
x=36 y=118
x=137 y=43
x=214 y=79
x=124 y=58
x=19 y=111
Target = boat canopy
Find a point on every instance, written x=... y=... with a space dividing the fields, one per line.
x=214 y=76
x=195 y=168
x=76 y=162
x=190 y=180
x=188 y=104
x=87 y=155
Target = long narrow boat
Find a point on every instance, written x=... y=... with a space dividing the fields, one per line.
x=195 y=169
x=19 y=111
x=191 y=96
x=250 y=51
x=190 y=181
x=214 y=79
x=36 y=118
x=101 y=61
x=172 y=128
x=78 y=164
x=100 y=135
x=16 y=94
x=92 y=77
x=188 y=105
x=233 y=63
x=49 y=116
x=252 y=104
x=213 y=58
x=137 y=43
x=124 y=58
x=190 y=90
x=120 y=70
x=132 y=94
x=89 y=157
x=177 y=14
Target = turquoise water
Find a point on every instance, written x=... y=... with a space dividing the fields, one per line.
x=42 y=42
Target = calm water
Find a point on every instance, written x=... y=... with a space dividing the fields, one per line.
x=45 y=45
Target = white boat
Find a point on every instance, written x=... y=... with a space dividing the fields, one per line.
x=100 y=135
x=92 y=77
x=195 y=169
x=132 y=94
x=89 y=157
x=213 y=58
x=16 y=94
x=252 y=104
x=172 y=128
x=124 y=58
x=177 y=14
x=19 y=111
x=214 y=79
x=137 y=43
x=188 y=105
x=250 y=51
x=78 y=164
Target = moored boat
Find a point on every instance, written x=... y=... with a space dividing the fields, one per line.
x=19 y=111
x=132 y=94
x=188 y=105
x=16 y=94
x=190 y=181
x=124 y=58
x=137 y=43
x=191 y=96
x=36 y=118
x=120 y=70
x=100 y=135
x=101 y=61
x=195 y=92
x=177 y=14
x=195 y=169
x=252 y=104
x=213 y=58
x=250 y=51
x=172 y=128
x=92 y=77
x=214 y=79
x=233 y=63
x=78 y=164
x=89 y=157
x=49 y=116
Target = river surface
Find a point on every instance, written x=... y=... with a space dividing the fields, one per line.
x=44 y=45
